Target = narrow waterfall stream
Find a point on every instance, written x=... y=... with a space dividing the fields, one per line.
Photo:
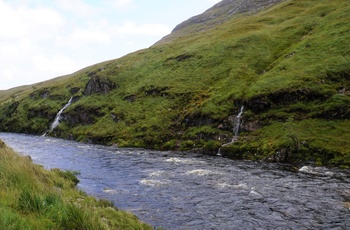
x=58 y=116
x=175 y=190
x=236 y=124
x=56 y=122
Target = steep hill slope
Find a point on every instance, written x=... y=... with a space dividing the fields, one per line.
x=287 y=64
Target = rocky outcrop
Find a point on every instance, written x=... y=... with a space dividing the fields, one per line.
x=81 y=116
x=99 y=85
x=198 y=119
x=74 y=90
x=42 y=93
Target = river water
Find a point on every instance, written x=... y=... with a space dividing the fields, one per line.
x=189 y=191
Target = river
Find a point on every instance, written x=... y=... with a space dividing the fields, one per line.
x=176 y=190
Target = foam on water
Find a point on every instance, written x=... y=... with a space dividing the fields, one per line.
x=201 y=172
x=179 y=160
x=319 y=171
x=241 y=186
x=154 y=183
x=157 y=173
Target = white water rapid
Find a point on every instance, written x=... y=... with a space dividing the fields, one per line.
x=58 y=116
x=236 y=123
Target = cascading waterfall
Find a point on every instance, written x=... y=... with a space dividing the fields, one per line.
x=236 y=126
x=237 y=123
x=58 y=116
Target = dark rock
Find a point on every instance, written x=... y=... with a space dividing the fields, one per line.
x=155 y=91
x=75 y=99
x=259 y=104
x=251 y=126
x=91 y=74
x=43 y=112
x=117 y=117
x=45 y=94
x=198 y=119
x=130 y=98
x=74 y=90
x=81 y=116
x=286 y=97
x=181 y=57
x=99 y=85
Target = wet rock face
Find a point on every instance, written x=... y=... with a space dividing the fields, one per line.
x=98 y=85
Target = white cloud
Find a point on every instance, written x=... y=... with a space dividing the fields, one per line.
x=7 y=74
x=20 y=22
x=214 y=1
x=86 y=35
x=75 y=7
x=121 y=4
x=54 y=64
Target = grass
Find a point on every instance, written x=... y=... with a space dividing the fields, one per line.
x=33 y=198
x=287 y=61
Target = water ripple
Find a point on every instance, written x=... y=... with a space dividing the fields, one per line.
x=189 y=191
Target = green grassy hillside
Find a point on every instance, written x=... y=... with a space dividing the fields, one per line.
x=289 y=65
x=33 y=198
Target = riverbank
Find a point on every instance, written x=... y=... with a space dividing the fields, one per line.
x=177 y=190
x=34 y=198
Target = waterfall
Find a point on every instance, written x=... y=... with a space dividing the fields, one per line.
x=58 y=116
x=236 y=123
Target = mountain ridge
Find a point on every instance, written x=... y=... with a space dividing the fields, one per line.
x=219 y=13
x=227 y=8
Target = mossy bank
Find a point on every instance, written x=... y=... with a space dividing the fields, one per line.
x=287 y=63
x=34 y=198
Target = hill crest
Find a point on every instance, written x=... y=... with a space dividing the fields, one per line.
x=218 y=14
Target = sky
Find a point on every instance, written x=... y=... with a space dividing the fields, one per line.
x=43 y=39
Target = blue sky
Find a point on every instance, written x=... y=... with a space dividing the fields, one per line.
x=43 y=39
